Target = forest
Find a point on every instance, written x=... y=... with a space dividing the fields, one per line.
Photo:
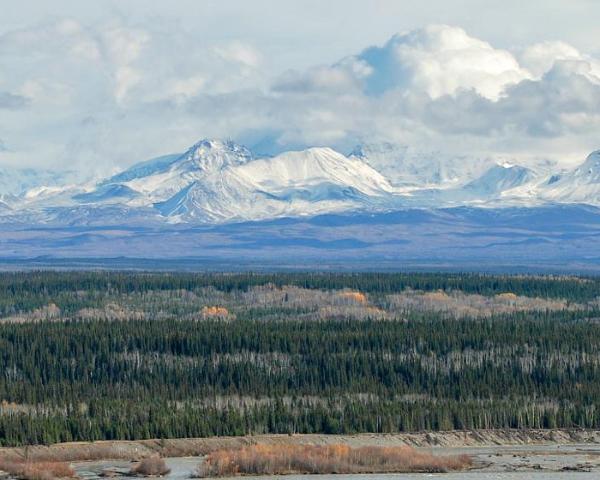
x=124 y=355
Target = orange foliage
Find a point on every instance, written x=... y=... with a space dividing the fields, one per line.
x=438 y=295
x=506 y=296
x=214 y=312
x=38 y=470
x=310 y=459
x=357 y=297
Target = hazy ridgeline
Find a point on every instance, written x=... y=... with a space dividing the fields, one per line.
x=88 y=356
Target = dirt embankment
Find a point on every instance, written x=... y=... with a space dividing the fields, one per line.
x=128 y=450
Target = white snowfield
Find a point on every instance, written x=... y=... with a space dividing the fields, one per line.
x=219 y=182
x=581 y=185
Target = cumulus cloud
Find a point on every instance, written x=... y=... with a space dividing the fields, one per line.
x=123 y=47
x=111 y=94
x=439 y=60
x=67 y=73
x=239 y=52
x=542 y=57
x=438 y=86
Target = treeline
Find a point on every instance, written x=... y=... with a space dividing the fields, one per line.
x=26 y=291
x=162 y=378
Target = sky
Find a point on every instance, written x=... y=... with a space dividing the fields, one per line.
x=98 y=86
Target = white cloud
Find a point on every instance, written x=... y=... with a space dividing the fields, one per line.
x=543 y=57
x=239 y=52
x=187 y=87
x=443 y=89
x=110 y=94
x=437 y=60
x=540 y=58
x=440 y=60
x=123 y=47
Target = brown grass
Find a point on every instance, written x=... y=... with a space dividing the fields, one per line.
x=37 y=470
x=327 y=459
x=151 y=466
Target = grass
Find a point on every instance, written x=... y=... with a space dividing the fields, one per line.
x=328 y=459
x=37 y=470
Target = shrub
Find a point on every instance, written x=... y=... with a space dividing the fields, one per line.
x=327 y=459
x=38 y=470
x=151 y=466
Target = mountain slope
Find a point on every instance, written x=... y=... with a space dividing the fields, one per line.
x=582 y=185
x=500 y=178
x=219 y=182
x=292 y=184
x=406 y=166
x=165 y=179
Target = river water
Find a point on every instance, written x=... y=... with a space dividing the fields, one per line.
x=492 y=463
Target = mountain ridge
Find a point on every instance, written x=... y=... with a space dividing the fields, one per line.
x=217 y=181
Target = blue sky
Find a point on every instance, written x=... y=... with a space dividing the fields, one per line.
x=97 y=86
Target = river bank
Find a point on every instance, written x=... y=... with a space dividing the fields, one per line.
x=197 y=447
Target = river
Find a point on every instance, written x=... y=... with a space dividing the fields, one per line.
x=492 y=463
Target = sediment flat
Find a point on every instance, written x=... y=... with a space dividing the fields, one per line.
x=486 y=441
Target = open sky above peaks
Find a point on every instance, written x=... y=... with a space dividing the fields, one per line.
x=97 y=86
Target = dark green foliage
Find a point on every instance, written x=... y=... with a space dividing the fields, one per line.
x=25 y=291
x=169 y=376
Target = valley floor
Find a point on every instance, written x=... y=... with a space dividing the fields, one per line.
x=491 y=450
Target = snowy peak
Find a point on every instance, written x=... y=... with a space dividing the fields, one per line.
x=160 y=179
x=203 y=157
x=215 y=181
x=212 y=155
x=590 y=169
x=220 y=181
x=291 y=184
x=581 y=185
x=500 y=178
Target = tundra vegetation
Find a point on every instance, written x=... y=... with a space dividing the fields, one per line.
x=324 y=459
x=113 y=355
x=37 y=470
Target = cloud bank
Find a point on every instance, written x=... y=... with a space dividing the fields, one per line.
x=104 y=96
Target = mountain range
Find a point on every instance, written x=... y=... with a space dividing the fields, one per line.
x=381 y=206
x=216 y=182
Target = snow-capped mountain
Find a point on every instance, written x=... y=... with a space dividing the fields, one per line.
x=166 y=177
x=582 y=185
x=499 y=179
x=406 y=166
x=313 y=181
x=218 y=182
